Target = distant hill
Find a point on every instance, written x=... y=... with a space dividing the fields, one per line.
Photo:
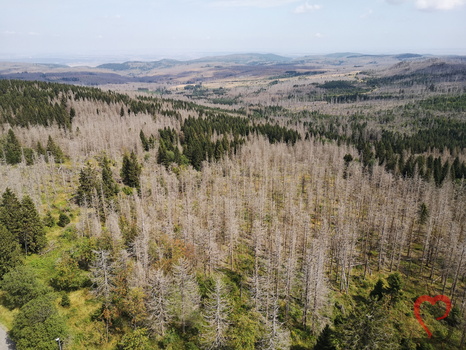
x=406 y=56
x=251 y=58
x=143 y=66
x=245 y=59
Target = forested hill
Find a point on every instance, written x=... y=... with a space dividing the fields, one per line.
x=26 y=104
x=136 y=222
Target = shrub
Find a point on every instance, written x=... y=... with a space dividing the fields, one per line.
x=136 y=340
x=48 y=220
x=38 y=324
x=63 y=220
x=65 y=300
x=21 y=286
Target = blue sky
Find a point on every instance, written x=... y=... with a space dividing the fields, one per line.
x=195 y=27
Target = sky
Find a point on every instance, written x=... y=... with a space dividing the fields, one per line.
x=175 y=28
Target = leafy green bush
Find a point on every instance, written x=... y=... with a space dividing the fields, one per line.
x=63 y=220
x=65 y=300
x=21 y=286
x=135 y=340
x=48 y=220
x=38 y=324
x=68 y=275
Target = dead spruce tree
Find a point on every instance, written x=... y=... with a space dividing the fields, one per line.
x=102 y=280
x=184 y=295
x=216 y=312
x=157 y=302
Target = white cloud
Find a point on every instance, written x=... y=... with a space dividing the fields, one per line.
x=439 y=4
x=33 y=33
x=9 y=32
x=251 y=3
x=307 y=8
x=318 y=35
x=431 y=5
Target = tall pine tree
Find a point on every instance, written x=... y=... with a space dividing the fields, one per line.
x=325 y=341
x=55 y=150
x=32 y=233
x=12 y=149
x=131 y=171
x=10 y=215
x=109 y=186
x=10 y=252
x=88 y=184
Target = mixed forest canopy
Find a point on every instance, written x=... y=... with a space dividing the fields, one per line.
x=132 y=221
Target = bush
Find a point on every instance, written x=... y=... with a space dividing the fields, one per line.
x=48 y=220
x=65 y=300
x=136 y=340
x=68 y=275
x=63 y=220
x=21 y=286
x=38 y=324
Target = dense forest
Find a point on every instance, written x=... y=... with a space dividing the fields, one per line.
x=130 y=221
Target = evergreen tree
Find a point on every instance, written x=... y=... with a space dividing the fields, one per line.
x=12 y=149
x=63 y=220
x=348 y=158
x=72 y=114
x=144 y=141
x=131 y=171
x=48 y=220
x=325 y=340
x=88 y=185
x=395 y=283
x=378 y=290
x=10 y=252
x=32 y=234
x=369 y=328
x=55 y=150
x=423 y=213
x=10 y=215
x=162 y=154
x=109 y=186
x=41 y=151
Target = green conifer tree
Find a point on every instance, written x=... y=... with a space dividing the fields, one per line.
x=131 y=171
x=12 y=149
x=109 y=186
x=10 y=252
x=10 y=212
x=378 y=290
x=32 y=234
x=55 y=150
x=144 y=141
x=324 y=341
x=88 y=184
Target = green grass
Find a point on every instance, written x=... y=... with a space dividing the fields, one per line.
x=7 y=316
